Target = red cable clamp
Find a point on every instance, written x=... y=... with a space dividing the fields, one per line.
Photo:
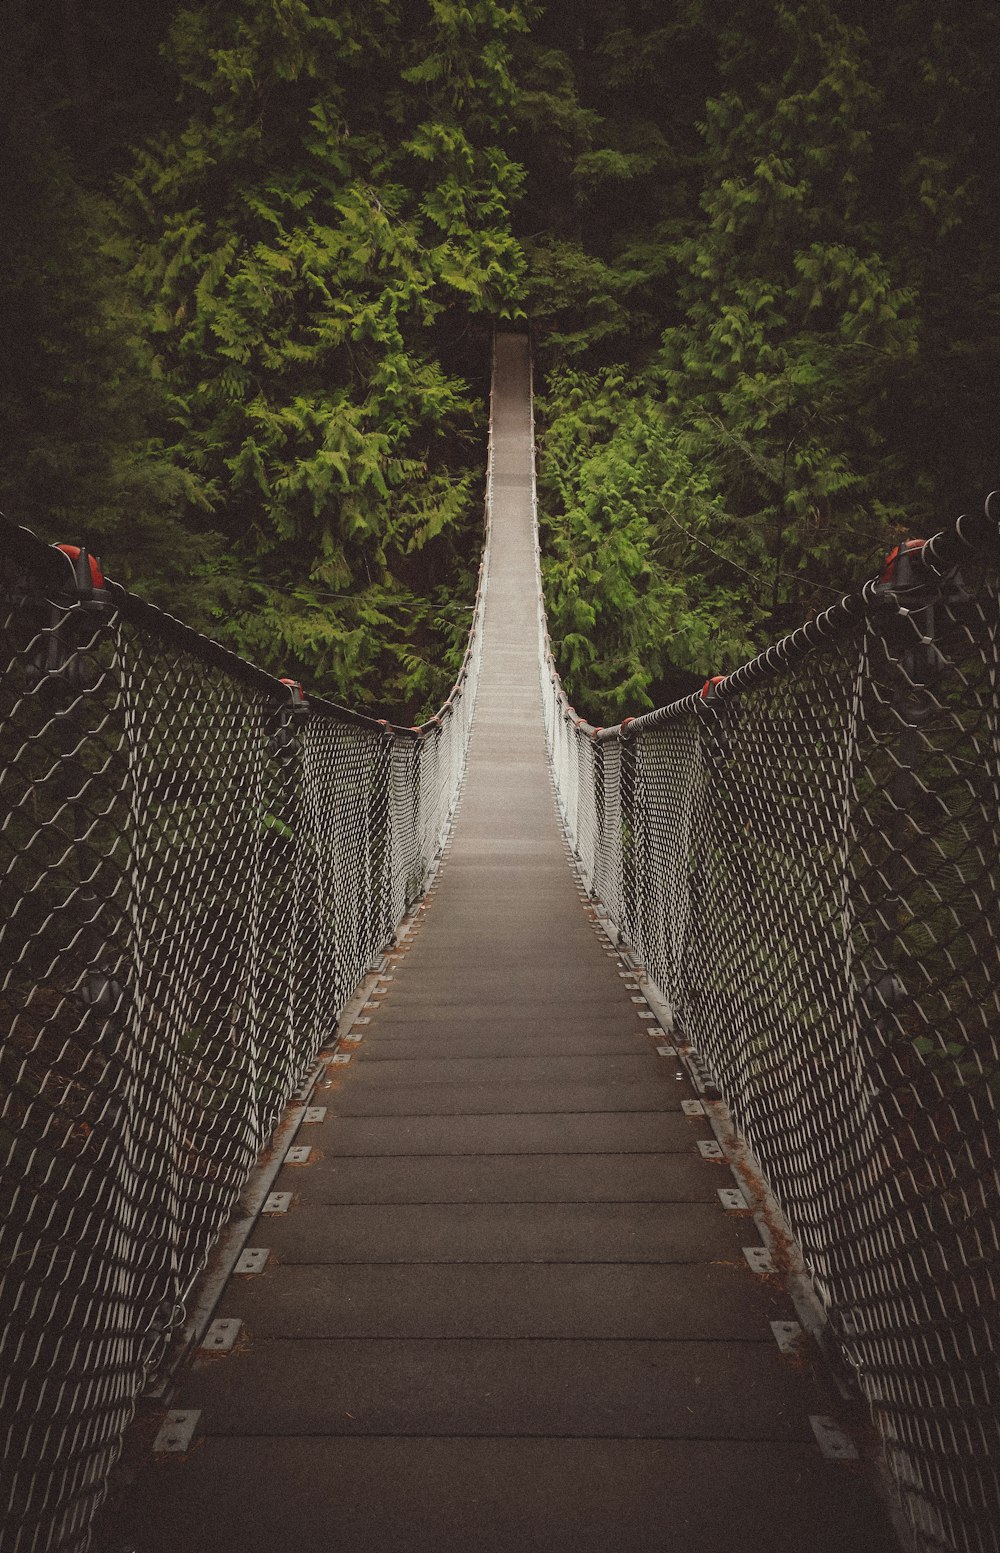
x=86 y=567
x=296 y=694
x=708 y=691
x=88 y=577
x=898 y=570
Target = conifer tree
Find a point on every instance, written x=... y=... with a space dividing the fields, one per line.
x=332 y=214
x=828 y=328
x=755 y=241
x=794 y=320
x=81 y=456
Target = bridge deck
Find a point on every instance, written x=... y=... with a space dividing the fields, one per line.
x=506 y=1310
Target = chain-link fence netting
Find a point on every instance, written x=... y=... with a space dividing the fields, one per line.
x=197 y=869
x=806 y=858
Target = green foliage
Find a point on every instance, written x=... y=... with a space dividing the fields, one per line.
x=80 y=450
x=621 y=609
x=246 y=360
x=793 y=323
x=759 y=454
x=335 y=207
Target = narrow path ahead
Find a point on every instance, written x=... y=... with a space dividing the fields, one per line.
x=507 y=1310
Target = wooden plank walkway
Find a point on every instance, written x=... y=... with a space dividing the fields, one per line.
x=507 y=1310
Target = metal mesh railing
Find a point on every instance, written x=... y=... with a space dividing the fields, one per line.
x=806 y=859
x=197 y=869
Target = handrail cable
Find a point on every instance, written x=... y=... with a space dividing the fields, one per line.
x=199 y=864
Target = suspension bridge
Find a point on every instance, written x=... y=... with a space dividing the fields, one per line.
x=627 y=1097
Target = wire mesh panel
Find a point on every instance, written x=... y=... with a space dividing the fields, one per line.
x=73 y=1215
x=806 y=858
x=197 y=868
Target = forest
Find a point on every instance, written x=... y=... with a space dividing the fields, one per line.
x=252 y=253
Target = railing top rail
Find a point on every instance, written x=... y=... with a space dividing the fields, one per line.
x=57 y=570
x=49 y=561
x=918 y=562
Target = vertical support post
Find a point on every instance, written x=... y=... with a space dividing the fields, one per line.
x=383 y=832
x=284 y=840
x=631 y=883
x=906 y=642
x=66 y=661
x=698 y=961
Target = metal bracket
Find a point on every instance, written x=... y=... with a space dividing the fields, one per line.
x=732 y=1198
x=278 y=1202
x=342 y=1057
x=299 y=1155
x=175 y=1435
x=759 y=1258
x=667 y=1051
x=709 y=1149
x=222 y=1334
x=692 y=1108
x=252 y=1260
x=831 y=1439
x=305 y=1089
x=705 y=1081
x=787 y=1335
x=314 y=1115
